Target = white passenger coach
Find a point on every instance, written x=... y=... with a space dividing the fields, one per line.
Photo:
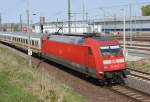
x=20 y=39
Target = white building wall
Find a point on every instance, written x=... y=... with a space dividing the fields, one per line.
x=75 y=28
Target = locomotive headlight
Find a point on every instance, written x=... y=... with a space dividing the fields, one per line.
x=120 y=60
x=107 y=62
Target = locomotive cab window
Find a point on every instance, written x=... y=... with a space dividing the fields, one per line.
x=111 y=50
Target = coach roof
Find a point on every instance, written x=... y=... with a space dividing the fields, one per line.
x=23 y=34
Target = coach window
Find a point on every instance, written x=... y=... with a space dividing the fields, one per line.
x=23 y=40
x=32 y=43
x=37 y=43
x=26 y=41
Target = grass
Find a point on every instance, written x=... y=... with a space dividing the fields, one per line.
x=142 y=65
x=20 y=83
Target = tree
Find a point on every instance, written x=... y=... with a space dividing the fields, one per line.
x=146 y=10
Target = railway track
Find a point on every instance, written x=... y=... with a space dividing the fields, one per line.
x=139 y=75
x=131 y=93
x=138 y=47
x=143 y=39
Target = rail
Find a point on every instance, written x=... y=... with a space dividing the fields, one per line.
x=134 y=94
x=139 y=74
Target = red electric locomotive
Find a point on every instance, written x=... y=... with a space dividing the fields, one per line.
x=100 y=57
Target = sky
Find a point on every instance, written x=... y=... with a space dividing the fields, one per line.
x=57 y=9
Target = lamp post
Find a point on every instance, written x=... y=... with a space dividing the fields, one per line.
x=104 y=13
x=69 y=16
x=20 y=23
x=131 y=27
x=124 y=33
x=0 y=18
x=28 y=31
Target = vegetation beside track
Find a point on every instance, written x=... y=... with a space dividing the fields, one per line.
x=20 y=83
x=142 y=65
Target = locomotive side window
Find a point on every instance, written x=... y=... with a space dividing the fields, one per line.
x=110 y=50
x=90 y=51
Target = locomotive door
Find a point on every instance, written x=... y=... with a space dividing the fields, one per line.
x=91 y=68
x=88 y=60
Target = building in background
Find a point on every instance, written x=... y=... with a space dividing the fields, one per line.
x=109 y=25
x=13 y=27
x=138 y=24
x=76 y=27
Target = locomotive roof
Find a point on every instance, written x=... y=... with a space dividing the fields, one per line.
x=24 y=34
x=66 y=39
x=76 y=39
